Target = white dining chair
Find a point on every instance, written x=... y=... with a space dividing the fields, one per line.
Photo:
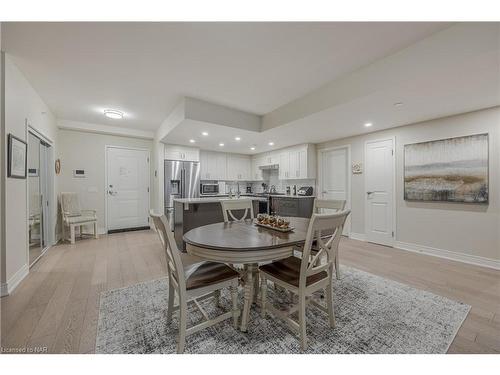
x=328 y=205
x=229 y=206
x=306 y=275
x=193 y=283
x=73 y=216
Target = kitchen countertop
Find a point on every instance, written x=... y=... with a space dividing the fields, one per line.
x=215 y=199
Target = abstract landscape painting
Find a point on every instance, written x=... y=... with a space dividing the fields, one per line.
x=452 y=170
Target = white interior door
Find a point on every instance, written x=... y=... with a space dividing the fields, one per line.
x=379 y=194
x=127 y=188
x=334 y=178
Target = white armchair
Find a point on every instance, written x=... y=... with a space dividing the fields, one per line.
x=73 y=215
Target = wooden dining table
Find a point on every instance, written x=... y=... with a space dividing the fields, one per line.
x=243 y=242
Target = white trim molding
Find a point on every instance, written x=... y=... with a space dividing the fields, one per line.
x=104 y=129
x=14 y=281
x=447 y=254
x=357 y=236
x=3 y=290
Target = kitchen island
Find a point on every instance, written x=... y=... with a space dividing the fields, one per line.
x=192 y=213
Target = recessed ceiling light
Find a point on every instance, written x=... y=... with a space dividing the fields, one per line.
x=271 y=143
x=204 y=133
x=368 y=124
x=221 y=144
x=192 y=140
x=111 y=113
x=252 y=148
x=237 y=138
x=398 y=104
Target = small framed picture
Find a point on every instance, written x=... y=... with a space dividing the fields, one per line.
x=17 y=157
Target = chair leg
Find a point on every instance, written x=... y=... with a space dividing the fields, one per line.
x=263 y=296
x=81 y=231
x=329 y=303
x=337 y=266
x=302 y=321
x=182 y=325
x=234 y=298
x=95 y=230
x=63 y=231
x=171 y=300
x=72 y=232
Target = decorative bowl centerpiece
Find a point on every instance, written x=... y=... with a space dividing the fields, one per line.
x=273 y=222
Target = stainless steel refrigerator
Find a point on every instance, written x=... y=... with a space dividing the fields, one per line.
x=182 y=180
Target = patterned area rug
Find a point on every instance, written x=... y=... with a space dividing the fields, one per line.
x=373 y=315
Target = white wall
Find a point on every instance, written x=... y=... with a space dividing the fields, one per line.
x=82 y=150
x=22 y=106
x=473 y=230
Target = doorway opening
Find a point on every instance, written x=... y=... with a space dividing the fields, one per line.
x=127 y=189
x=334 y=180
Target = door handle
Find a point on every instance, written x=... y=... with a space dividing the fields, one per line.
x=370 y=192
x=112 y=193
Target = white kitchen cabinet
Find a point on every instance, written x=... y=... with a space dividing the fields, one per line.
x=297 y=163
x=212 y=165
x=238 y=167
x=284 y=165
x=176 y=152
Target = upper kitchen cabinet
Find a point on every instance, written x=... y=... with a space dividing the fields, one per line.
x=212 y=165
x=297 y=163
x=176 y=152
x=238 y=167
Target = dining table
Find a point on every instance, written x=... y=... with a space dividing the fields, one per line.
x=247 y=244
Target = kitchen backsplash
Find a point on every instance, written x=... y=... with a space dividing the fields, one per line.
x=271 y=177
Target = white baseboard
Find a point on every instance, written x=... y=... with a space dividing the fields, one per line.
x=3 y=290
x=447 y=254
x=14 y=281
x=357 y=236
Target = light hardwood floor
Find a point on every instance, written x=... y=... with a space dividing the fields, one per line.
x=56 y=306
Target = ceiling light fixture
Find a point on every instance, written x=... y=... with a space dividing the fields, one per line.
x=221 y=144
x=368 y=124
x=271 y=143
x=192 y=141
x=237 y=138
x=111 y=113
x=252 y=148
x=398 y=104
x=204 y=133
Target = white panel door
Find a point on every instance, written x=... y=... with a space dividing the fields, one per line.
x=379 y=194
x=128 y=188
x=335 y=178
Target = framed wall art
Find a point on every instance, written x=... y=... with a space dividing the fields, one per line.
x=449 y=170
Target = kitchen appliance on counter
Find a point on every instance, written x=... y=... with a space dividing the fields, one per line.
x=182 y=180
x=249 y=189
x=209 y=188
x=306 y=191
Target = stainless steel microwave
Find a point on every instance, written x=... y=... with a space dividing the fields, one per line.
x=209 y=189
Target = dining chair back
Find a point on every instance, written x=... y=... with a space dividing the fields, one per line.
x=325 y=231
x=175 y=268
x=309 y=274
x=322 y=205
x=228 y=206
x=194 y=282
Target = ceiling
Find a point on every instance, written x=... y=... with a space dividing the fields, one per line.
x=144 y=69
x=451 y=72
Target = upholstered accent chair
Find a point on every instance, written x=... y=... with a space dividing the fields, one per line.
x=193 y=282
x=73 y=216
x=308 y=274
